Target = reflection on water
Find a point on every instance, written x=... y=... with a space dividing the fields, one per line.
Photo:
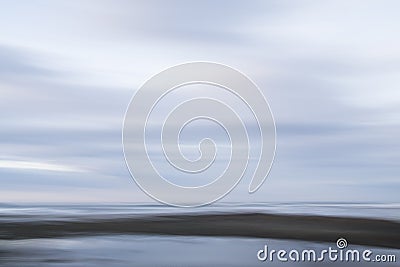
x=136 y=250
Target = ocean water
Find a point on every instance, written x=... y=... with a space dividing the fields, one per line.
x=31 y=212
x=151 y=250
x=157 y=250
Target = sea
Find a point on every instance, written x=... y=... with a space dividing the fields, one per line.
x=166 y=250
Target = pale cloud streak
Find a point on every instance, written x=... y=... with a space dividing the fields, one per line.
x=40 y=166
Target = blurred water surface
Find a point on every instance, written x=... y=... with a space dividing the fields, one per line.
x=33 y=212
x=157 y=250
x=137 y=250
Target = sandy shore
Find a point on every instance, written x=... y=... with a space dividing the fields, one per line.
x=380 y=233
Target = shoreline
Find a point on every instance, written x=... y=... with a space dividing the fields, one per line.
x=357 y=231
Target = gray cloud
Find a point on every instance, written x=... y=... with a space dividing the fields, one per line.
x=68 y=71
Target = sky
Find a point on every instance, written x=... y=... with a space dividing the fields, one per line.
x=330 y=71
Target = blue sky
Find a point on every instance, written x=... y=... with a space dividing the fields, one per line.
x=329 y=69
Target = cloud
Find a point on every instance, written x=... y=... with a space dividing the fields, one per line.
x=329 y=72
x=42 y=166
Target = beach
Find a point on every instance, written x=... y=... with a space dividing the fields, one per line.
x=373 y=232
